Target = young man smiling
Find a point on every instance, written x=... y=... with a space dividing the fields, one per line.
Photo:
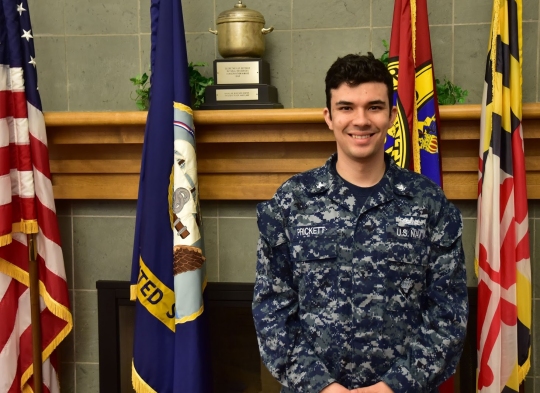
x=360 y=116
x=360 y=282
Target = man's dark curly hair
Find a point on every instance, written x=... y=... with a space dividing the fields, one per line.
x=354 y=70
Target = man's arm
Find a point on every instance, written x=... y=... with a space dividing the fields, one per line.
x=434 y=353
x=284 y=350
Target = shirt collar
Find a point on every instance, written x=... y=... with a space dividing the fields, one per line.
x=328 y=181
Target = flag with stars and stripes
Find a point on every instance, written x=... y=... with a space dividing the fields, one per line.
x=502 y=244
x=413 y=140
x=26 y=207
x=171 y=342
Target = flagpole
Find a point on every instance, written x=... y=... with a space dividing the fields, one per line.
x=35 y=314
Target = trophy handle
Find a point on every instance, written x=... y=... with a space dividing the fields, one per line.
x=267 y=30
x=215 y=31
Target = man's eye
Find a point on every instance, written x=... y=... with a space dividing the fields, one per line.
x=344 y=108
x=375 y=108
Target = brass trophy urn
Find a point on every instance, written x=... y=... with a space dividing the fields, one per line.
x=242 y=77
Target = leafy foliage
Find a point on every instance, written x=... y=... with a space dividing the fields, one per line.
x=142 y=90
x=384 y=56
x=449 y=93
x=197 y=85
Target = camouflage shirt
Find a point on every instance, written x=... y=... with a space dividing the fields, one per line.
x=360 y=294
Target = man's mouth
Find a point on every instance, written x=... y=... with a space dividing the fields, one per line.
x=362 y=136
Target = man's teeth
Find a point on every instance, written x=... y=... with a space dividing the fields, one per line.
x=360 y=136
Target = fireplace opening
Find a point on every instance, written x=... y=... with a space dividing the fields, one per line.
x=236 y=363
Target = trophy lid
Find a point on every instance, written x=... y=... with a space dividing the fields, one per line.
x=240 y=13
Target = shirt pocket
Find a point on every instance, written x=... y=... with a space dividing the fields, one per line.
x=406 y=268
x=315 y=269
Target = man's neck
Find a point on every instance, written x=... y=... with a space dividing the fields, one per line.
x=361 y=173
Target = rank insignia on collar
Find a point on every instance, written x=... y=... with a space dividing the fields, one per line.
x=320 y=185
x=400 y=187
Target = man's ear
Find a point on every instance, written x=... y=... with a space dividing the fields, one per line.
x=393 y=114
x=328 y=118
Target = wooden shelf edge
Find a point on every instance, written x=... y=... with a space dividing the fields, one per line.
x=95 y=155
x=458 y=186
x=254 y=116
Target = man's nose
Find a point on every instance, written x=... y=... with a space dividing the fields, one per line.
x=361 y=119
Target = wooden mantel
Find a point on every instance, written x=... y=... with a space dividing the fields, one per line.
x=247 y=154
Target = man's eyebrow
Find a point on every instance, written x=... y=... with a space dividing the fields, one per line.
x=377 y=102
x=374 y=102
x=344 y=103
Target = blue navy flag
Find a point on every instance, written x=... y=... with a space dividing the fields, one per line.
x=171 y=349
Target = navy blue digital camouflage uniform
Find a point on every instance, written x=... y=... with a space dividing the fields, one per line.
x=360 y=294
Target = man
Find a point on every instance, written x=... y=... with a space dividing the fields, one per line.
x=361 y=283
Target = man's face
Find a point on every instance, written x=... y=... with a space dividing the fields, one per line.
x=360 y=119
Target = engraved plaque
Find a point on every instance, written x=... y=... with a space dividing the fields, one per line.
x=237 y=95
x=237 y=72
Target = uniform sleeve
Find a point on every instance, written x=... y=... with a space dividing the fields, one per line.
x=284 y=351
x=434 y=353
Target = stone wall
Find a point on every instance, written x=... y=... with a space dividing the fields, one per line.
x=86 y=51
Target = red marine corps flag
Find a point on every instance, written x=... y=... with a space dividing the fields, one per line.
x=502 y=245
x=26 y=210
x=413 y=140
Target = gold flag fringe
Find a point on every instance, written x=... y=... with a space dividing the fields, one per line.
x=26 y=226
x=139 y=384
x=415 y=141
x=495 y=31
x=182 y=107
x=5 y=240
x=524 y=370
x=133 y=292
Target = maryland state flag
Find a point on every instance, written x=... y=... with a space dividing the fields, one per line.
x=168 y=274
x=502 y=244
x=413 y=141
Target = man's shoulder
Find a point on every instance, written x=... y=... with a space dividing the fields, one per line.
x=416 y=184
x=303 y=183
x=297 y=187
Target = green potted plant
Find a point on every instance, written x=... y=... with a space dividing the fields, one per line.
x=197 y=85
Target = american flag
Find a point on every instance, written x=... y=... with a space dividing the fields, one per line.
x=502 y=245
x=26 y=207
